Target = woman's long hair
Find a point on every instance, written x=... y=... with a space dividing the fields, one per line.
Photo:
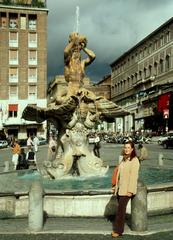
x=133 y=153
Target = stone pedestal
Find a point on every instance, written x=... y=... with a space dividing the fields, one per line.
x=35 y=213
x=139 y=209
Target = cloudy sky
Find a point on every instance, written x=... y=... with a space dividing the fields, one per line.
x=111 y=26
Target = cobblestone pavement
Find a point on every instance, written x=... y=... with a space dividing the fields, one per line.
x=159 y=227
x=167 y=236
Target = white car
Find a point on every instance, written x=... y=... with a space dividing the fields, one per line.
x=3 y=143
x=164 y=137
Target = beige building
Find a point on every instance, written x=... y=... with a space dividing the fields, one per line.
x=142 y=82
x=23 y=68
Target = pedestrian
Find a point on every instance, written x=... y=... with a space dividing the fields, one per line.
x=30 y=142
x=143 y=152
x=36 y=143
x=31 y=156
x=125 y=185
x=97 y=146
x=22 y=162
x=52 y=148
x=15 y=147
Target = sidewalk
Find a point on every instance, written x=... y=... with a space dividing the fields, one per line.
x=84 y=228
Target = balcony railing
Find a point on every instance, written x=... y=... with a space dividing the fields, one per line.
x=25 y=3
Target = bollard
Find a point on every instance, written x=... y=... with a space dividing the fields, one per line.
x=160 y=159
x=35 y=213
x=6 y=166
x=139 y=209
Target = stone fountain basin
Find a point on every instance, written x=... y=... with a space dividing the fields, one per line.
x=78 y=196
x=20 y=181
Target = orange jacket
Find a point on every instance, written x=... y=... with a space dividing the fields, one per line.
x=16 y=149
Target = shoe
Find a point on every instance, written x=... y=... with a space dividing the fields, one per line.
x=115 y=234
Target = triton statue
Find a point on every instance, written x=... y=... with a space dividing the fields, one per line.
x=74 y=111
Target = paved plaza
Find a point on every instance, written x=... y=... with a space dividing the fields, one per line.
x=159 y=227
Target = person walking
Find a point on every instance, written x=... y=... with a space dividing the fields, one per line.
x=31 y=157
x=125 y=185
x=30 y=142
x=36 y=143
x=15 y=147
x=143 y=152
x=22 y=162
x=96 y=148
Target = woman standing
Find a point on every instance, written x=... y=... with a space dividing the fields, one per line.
x=126 y=185
x=15 y=147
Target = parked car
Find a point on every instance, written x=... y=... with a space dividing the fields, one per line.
x=42 y=141
x=168 y=142
x=3 y=144
x=164 y=137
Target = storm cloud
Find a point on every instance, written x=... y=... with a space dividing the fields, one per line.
x=111 y=26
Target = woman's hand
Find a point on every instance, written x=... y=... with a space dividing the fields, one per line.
x=129 y=194
x=113 y=190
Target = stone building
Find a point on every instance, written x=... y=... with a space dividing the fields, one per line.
x=142 y=82
x=23 y=68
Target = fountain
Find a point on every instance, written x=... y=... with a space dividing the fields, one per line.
x=74 y=111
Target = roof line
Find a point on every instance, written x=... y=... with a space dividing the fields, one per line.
x=143 y=40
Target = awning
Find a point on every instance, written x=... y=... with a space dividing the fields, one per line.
x=13 y=107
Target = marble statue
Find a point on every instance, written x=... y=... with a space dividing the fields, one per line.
x=74 y=111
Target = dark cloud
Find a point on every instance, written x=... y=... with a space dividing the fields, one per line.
x=111 y=26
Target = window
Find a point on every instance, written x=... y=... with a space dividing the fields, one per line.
x=32 y=57
x=145 y=72
x=13 y=75
x=3 y=20
x=32 y=92
x=161 y=66
x=161 y=41
x=32 y=40
x=32 y=22
x=140 y=75
x=12 y=110
x=23 y=21
x=13 y=92
x=136 y=78
x=13 y=57
x=128 y=82
x=150 y=71
x=32 y=75
x=150 y=48
x=155 y=68
x=167 y=63
x=13 y=20
x=167 y=36
x=132 y=80
x=155 y=44
x=13 y=39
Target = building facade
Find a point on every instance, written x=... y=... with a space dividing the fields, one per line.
x=23 y=68
x=142 y=83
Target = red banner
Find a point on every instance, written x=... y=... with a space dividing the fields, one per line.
x=163 y=102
